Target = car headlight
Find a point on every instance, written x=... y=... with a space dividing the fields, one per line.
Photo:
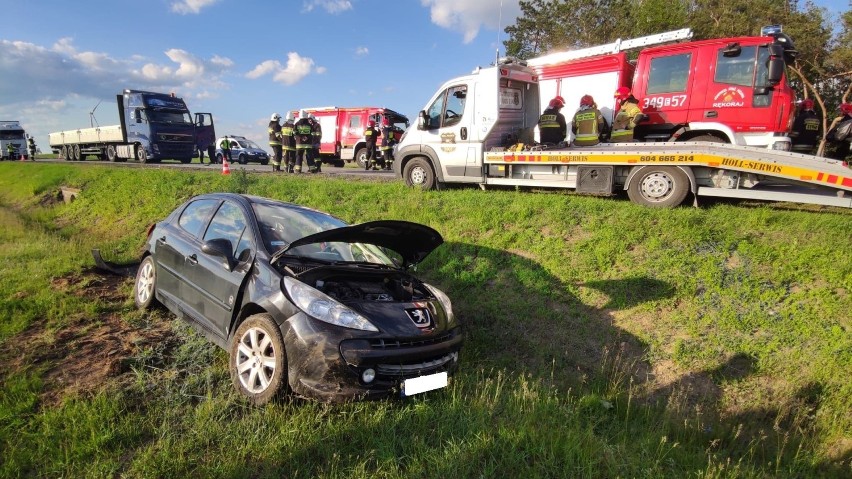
x=445 y=302
x=322 y=307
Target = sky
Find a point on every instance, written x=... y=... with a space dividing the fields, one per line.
x=62 y=63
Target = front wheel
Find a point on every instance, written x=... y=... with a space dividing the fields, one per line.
x=141 y=154
x=242 y=159
x=257 y=361
x=418 y=173
x=661 y=187
x=361 y=157
x=144 y=289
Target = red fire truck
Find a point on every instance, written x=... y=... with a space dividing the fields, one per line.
x=728 y=90
x=342 y=138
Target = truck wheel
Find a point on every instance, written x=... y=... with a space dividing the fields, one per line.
x=361 y=157
x=141 y=154
x=77 y=155
x=418 y=173
x=66 y=155
x=708 y=139
x=339 y=163
x=111 y=154
x=659 y=186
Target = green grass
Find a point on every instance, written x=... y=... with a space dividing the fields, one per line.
x=603 y=339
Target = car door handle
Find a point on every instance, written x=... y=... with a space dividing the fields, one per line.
x=464 y=133
x=711 y=114
x=192 y=259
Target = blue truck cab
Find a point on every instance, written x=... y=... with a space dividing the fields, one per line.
x=161 y=126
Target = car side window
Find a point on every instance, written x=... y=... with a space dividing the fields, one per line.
x=230 y=223
x=196 y=215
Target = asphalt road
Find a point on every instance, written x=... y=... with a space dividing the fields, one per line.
x=348 y=170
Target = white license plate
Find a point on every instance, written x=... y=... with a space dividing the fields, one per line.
x=413 y=386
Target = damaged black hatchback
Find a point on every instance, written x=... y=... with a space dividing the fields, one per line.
x=301 y=300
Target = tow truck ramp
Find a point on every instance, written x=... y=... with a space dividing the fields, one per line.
x=661 y=174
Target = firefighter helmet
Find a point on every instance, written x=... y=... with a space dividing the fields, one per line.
x=290 y=116
x=371 y=123
x=846 y=108
x=275 y=117
x=587 y=100
x=622 y=93
x=303 y=114
x=556 y=103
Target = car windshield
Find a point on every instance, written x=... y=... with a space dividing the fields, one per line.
x=281 y=225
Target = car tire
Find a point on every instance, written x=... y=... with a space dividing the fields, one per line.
x=264 y=162
x=257 y=359
x=418 y=173
x=242 y=159
x=145 y=286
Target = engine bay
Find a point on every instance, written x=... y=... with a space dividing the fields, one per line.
x=382 y=286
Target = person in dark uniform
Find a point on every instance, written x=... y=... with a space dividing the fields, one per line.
x=315 y=151
x=288 y=142
x=370 y=136
x=551 y=124
x=840 y=135
x=388 y=140
x=588 y=124
x=31 y=146
x=304 y=134
x=805 y=131
x=274 y=131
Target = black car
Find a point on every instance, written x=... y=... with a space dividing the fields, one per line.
x=301 y=300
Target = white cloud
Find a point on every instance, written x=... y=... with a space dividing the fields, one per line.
x=185 y=7
x=297 y=68
x=468 y=17
x=361 y=51
x=330 y=6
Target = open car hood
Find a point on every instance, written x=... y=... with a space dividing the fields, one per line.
x=412 y=241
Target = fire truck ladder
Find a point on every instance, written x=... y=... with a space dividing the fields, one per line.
x=614 y=47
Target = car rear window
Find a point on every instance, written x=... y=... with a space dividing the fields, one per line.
x=196 y=215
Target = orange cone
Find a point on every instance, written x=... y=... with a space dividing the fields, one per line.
x=23 y=158
x=226 y=170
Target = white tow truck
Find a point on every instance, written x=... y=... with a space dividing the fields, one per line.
x=469 y=130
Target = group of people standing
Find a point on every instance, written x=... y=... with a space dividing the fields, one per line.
x=371 y=136
x=295 y=143
x=588 y=124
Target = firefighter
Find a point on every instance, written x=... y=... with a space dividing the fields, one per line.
x=805 y=129
x=388 y=140
x=304 y=134
x=841 y=134
x=32 y=147
x=370 y=136
x=274 y=131
x=627 y=117
x=588 y=125
x=551 y=124
x=288 y=142
x=315 y=151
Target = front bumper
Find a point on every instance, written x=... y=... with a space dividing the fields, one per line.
x=326 y=362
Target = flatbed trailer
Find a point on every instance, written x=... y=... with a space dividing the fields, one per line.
x=662 y=174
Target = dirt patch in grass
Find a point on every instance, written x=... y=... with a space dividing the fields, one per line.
x=79 y=357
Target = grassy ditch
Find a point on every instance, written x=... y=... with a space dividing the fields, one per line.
x=604 y=339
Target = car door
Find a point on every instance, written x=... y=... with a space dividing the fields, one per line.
x=448 y=131
x=175 y=243
x=216 y=285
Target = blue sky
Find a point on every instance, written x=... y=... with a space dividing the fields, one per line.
x=240 y=60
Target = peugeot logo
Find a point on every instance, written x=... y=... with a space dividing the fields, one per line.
x=421 y=317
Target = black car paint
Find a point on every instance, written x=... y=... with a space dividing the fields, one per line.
x=324 y=361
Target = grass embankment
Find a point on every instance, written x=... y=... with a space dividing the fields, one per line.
x=604 y=339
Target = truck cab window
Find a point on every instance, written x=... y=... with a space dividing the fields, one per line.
x=736 y=70
x=669 y=74
x=448 y=108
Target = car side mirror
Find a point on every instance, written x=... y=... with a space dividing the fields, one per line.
x=222 y=248
x=422 y=120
